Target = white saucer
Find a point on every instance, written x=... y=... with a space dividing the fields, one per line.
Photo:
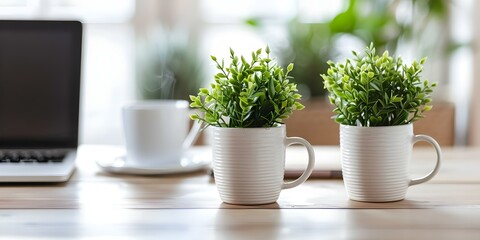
x=192 y=161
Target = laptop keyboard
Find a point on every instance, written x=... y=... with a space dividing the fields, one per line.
x=35 y=156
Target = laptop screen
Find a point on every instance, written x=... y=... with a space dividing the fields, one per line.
x=39 y=83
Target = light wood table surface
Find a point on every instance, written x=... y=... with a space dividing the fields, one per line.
x=98 y=205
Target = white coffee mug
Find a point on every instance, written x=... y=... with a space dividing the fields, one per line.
x=157 y=132
x=375 y=161
x=249 y=163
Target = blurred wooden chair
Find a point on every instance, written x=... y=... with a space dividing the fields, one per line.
x=315 y=124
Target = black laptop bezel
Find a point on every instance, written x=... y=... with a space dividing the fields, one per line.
x=76 y=29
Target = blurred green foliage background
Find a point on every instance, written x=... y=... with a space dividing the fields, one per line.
x=311 y=45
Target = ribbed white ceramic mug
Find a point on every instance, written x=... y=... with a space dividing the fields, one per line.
x=375 y=161
x=249 y=163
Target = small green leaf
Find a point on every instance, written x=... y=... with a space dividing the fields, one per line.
x=271 y=87
x=363 y=96
x=297 y=96
x=204 y=91
x=423 y=60
x=396 y=99
x=244 y=62
x=340 y=119
x=210 y=117
x=194 y=116
x=375 y=86
x=352 y=109
x=427 y=108
x=194 y=105
x=331 y=99
x=258 y=68
x=298 y=106
x=290 y=67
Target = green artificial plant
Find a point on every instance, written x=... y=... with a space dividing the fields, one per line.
x=374 y=90
x=247 y=94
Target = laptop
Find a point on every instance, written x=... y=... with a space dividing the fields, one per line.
x=40 y=64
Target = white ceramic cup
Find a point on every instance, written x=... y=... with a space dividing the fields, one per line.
x=157 y=132
x=249 y=163
x=375 y=161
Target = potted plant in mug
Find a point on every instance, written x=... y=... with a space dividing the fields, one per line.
x=246 y=106
x=377 y=99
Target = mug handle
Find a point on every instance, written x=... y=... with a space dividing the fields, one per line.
x=193 y=135
x=418 y=138
x=311 y=161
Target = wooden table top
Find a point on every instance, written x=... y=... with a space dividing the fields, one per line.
x=95 y=204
